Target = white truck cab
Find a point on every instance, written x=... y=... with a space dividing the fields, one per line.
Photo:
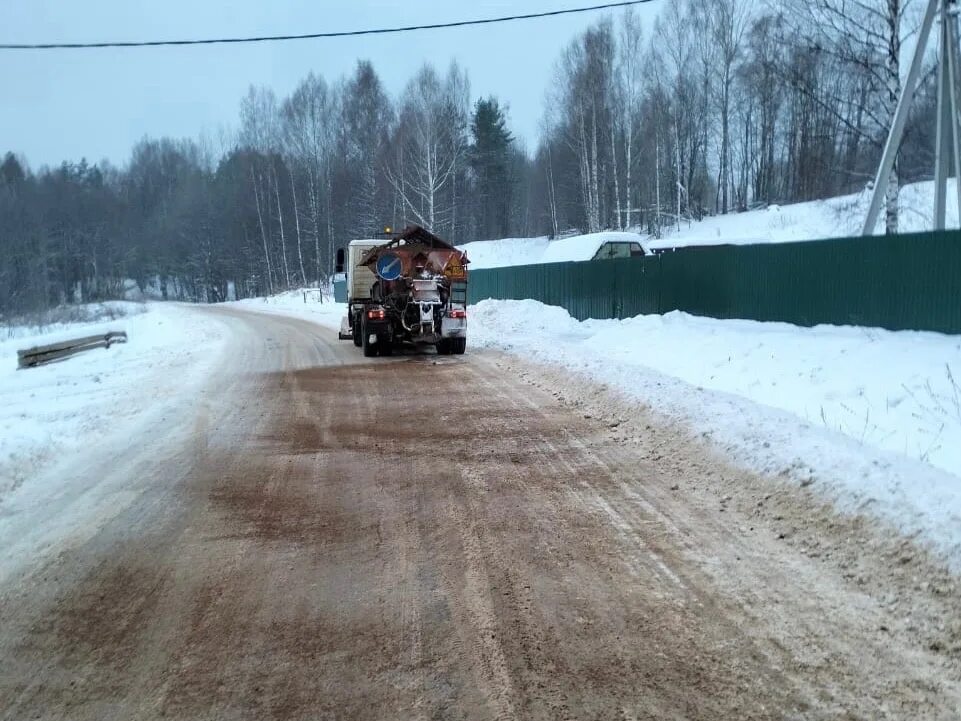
x=360 y=279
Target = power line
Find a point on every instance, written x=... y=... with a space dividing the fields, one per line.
x=314 y=36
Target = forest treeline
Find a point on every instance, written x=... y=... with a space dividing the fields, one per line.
x=719 y=106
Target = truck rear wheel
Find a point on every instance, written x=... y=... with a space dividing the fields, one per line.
x=370 y=349
x=443 y=346
x=355 y=332
x=458 y=346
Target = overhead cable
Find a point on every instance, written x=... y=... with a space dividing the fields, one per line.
x=316 y=36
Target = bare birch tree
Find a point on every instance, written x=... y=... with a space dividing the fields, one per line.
x=426 y=163
x=864 y=36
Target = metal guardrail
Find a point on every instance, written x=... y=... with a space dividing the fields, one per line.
x=38 y=355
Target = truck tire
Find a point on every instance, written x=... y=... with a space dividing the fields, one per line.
x=458 y=346
x=385 y=345
x=443 y=346
x=370 y=350
x=355 y=332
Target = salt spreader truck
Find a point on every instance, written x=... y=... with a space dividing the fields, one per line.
x=409 y=290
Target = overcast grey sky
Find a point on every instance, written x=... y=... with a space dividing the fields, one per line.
x=68 y=104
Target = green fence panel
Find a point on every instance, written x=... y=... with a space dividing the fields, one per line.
x=637 y=288
x=910 y=281
x=898 y=282
x=585 y=291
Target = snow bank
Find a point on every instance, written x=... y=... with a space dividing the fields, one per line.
x=58 y=323
x=871 y=418
x=300 y=304
x=52 y=410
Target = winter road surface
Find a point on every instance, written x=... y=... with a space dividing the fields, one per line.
x=323 y=536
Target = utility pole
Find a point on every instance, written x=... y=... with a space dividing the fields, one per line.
x=948 y=142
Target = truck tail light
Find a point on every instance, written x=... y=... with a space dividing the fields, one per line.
x=376 y=314
x=457 y=313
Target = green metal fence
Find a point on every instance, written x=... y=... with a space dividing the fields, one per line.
x=910 y=281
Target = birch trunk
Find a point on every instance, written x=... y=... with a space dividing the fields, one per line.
x=263 y=233
x=595 y=174
x=280 y=220
x=628 y=161
x=619 y=221
x=315 y=221
x=551 y=191
x=677 y=166
x=657 y=184
x=300 y=251
x=725 y=143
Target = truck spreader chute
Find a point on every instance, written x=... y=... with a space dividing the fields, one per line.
x=409 y=290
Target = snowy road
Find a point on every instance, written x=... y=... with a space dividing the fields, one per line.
x=419 y=537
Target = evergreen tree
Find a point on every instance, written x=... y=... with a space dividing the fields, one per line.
x=490 y=159
x=11 y=172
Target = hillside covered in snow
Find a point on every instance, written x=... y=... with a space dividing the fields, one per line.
x=831 y=218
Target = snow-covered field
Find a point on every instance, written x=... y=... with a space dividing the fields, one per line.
x=831 y=218
x=870 y=418
x=51 y=411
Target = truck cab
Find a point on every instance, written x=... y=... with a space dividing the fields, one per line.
x=360 y=281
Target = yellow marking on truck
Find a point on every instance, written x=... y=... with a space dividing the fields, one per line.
x=454 y=270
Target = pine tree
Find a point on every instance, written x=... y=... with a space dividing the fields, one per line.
x=11 y=172
x=490 y=158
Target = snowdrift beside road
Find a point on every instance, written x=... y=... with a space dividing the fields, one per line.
x=870 y=418
x=295 y=303
x=54 y=410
